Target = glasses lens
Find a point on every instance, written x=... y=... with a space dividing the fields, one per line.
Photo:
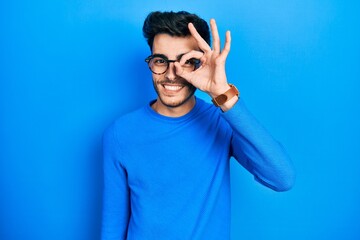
x=158 y=65
x=191 y=64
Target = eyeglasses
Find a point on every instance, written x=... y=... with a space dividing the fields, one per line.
x=159 y=63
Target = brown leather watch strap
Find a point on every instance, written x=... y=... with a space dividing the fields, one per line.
x=223 y=98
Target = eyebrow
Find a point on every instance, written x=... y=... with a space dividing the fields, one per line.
x=178 y=57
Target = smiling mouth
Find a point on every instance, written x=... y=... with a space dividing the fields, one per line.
x=173 y=88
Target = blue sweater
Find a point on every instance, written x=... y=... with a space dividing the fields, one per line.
x=168 y=178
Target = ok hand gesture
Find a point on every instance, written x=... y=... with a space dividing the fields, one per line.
x=210 y=77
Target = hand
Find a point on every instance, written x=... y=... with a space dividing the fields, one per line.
x=210 y=77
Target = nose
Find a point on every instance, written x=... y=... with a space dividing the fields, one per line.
x=170 y=73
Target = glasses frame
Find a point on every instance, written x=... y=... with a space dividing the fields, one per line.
x=168 y=61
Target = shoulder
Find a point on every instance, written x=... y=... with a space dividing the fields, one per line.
x=130 y=118
x=210 y=117
x=206 y=108
x=209 y=111
x=124 y=125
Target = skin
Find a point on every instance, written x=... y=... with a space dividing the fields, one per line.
x=175 y=94
x=176 y=87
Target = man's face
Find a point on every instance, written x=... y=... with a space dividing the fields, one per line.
x=173 y=91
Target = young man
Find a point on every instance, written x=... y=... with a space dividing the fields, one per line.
x=166 y=165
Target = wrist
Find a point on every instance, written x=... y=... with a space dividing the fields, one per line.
x=227 y=99
x=219 y=91
x=229 y=104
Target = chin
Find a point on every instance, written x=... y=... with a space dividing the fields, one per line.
x=179 y=99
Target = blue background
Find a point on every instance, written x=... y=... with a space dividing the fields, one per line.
x=68 y=68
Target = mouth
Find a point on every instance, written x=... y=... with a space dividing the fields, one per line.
x=172 y=88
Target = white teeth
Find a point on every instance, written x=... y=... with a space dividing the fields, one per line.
x=172 y=87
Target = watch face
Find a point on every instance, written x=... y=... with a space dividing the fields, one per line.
x=221 y=99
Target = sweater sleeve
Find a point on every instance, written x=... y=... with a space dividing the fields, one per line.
x=116 y=203
x=255 y=149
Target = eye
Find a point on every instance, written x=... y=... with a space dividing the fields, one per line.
x=189 y=62
x=159 y=61
x=192 y=62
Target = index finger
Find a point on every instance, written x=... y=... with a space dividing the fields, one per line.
x=192 y=54
x=203 y=45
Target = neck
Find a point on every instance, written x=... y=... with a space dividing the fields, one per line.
x=177 y=111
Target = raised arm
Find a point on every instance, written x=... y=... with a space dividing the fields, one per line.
x=210 y=77
x=255 y=149
x=251 y=144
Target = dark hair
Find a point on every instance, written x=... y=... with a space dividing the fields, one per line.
x=174 y=24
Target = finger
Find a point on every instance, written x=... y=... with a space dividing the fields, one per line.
x=215 y=36
x=226 y=49
x=203 y=45
x=191 y=54
x=179 y=70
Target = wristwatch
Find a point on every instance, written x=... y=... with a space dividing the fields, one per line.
x=223 y=98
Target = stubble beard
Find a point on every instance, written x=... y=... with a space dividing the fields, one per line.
x=190 y=92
